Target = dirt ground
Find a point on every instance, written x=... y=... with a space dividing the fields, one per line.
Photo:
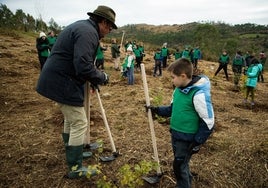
x=32 y=151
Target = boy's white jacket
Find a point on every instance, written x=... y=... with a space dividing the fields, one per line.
x=202 y=101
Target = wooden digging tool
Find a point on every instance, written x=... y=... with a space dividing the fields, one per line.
x=115 y=153
x=151 y=179
x=87 y=143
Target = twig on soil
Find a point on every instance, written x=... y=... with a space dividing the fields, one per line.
x=168 y=177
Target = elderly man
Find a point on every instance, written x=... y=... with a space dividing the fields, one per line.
x=69 y=66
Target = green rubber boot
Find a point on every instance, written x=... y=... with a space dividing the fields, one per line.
x=74 y=157
x=65 y=137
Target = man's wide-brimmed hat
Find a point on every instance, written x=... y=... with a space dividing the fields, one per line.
x=105 y=12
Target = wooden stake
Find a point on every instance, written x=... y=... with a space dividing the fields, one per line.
x=151 y=124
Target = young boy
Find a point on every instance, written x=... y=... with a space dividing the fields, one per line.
x=224 y=60
x=237 y=66
x=158 y=62
x=192 y=117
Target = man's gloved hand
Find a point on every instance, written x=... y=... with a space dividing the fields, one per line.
x=154 y=109
x=94 y=88
x=106 y=81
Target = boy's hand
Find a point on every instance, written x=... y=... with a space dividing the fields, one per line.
x=154 y=109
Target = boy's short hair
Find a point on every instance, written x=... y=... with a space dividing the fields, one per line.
x=181 y=66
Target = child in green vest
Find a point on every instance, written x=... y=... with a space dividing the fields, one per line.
x=158 y=62
x=128 y=66
x=164 y=54
x=51 y=39
x=177 y=54
x=42 y=45
x=237 y=66
x=262 y=60
x=100 y=57
x=224 y=60
x=192 y=117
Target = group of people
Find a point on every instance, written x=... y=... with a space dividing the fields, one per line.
x=249 y=65
x=72 y=62
x=133 y=58
x=162 y=54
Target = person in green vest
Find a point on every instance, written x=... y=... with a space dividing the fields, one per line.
x=158 y=62
x=262 y=60
x=100 y=57
x=196 y=56
x=192 y=117
x=51 y=39
x=138 y=55
x=186 y=53
x=141 y=48
x=43 y=49
x=237 y=66
x=128 y=65
x=224 y=60
x=177 y=54
x=164 y=54
x=115 y=50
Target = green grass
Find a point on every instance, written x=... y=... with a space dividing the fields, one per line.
x=253 y=35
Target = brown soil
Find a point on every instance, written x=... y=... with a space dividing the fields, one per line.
x=32 y=152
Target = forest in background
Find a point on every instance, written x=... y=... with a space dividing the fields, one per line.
x=211 y=37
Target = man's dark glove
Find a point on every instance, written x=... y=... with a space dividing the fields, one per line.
x=106 y=79
x=94 y=88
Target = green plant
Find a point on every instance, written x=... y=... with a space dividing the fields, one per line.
x=131 y=176
x=158 y=100
x=128 y=176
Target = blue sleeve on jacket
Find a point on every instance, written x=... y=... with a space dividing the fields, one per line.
x=203 y=132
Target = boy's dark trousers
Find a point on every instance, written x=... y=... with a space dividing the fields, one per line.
x=157 y=66
x=165 y=62
x=224 y=67
x=182 y=155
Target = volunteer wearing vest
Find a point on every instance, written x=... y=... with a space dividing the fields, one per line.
x=223 y=64
x=158 y=62
x=128 y=65
x=192 y=117
x=237 y=66
x=164 y=54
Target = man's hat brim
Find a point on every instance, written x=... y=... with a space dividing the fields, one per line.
x=103 y=16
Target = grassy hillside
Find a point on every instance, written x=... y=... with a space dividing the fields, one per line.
x=210 y=37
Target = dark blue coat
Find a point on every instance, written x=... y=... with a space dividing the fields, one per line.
x=71 y=64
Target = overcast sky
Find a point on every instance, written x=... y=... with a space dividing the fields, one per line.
x=155 y=12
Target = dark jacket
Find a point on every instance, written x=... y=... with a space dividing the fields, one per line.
x=71 y=64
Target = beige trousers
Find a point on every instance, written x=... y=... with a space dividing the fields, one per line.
x=116 y=62
x=75 y=123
